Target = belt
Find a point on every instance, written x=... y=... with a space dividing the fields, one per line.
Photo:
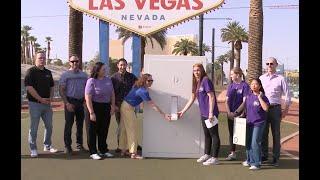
x=274 y=105
x=75 y=99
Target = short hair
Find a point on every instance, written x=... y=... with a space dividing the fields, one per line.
x=274 y=59
x=122 y=59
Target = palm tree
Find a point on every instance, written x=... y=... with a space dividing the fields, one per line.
x=160 y=37
x=75 y=33
x=225 y=58
x=37 y=47
x=255 y=39
x=185 y=47
x=242 y=36
x=25 y=45
x=48 y=40
x=205 y=48
x=235 y=34
x=32 y=40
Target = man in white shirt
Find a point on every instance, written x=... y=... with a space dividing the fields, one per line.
x=275 y=86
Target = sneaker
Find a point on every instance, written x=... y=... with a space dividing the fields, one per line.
x=231 y=157
x=245 y=164
x=50 y=149
x=95 y=156
x=211 y=161
x=34 y=153
x=203 y=158
x=254 y=168
x=275 y=162
x=107 y=154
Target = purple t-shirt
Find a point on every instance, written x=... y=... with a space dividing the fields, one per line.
x=101 y=90
x=235 y=94
x=255 y=114
x=203 y=99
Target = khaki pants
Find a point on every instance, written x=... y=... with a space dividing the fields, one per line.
x=128 y=128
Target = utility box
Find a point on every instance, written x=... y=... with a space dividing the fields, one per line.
x=171 y=90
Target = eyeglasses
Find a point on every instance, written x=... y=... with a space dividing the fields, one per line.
x=74 y=61
x=150 y=80
x=269 y=64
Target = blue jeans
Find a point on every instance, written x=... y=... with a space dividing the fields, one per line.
x=253 y=144
x=44 y=111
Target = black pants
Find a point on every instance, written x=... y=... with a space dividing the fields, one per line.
x=230 y=126
x=99 y=128
x=69 y=120
x=211 y=138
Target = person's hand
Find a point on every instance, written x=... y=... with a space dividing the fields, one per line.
x=284 y=113
x=45 y=100
x=261 y=94
x=93 y=117
x=210 y=118
x=112 y=110
x=70 y=107
x=180 y=114
x=116 y=109
x=231 y=115
x=167 y=117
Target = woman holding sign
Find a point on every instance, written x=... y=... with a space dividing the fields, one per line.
x=256 y=105
x=236 y=95
x=203 y=90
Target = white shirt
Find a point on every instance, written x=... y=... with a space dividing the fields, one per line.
x=274 y=86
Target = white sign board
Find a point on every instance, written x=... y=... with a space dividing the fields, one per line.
x=239 y=131
x=171 y=89
x=145 y=17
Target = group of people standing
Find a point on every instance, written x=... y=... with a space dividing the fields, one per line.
x=99 y=97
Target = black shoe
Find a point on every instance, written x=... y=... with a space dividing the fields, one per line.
x=139 y=148
x=68 y=151
x=275 y=162
x=81 y=149
x=264 y=159
x=118 y=150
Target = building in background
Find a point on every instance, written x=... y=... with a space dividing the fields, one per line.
x=116 y=49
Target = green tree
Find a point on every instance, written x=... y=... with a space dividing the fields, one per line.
x=185 y=47
x=160 y=37
x=205 y=48
x=225 y=58
x=235 y=34
x=25 y=44
x=58 y=62
x=32 y=40
x=48 y=40
x=255 y=39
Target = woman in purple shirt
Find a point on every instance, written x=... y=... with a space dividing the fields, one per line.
x=100 y=100
x=203 y=90
x=236 y=94
x=256 y=105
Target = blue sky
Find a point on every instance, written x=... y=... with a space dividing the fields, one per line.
x=280 y=36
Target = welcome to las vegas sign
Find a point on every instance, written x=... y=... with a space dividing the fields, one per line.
x=145 y=17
